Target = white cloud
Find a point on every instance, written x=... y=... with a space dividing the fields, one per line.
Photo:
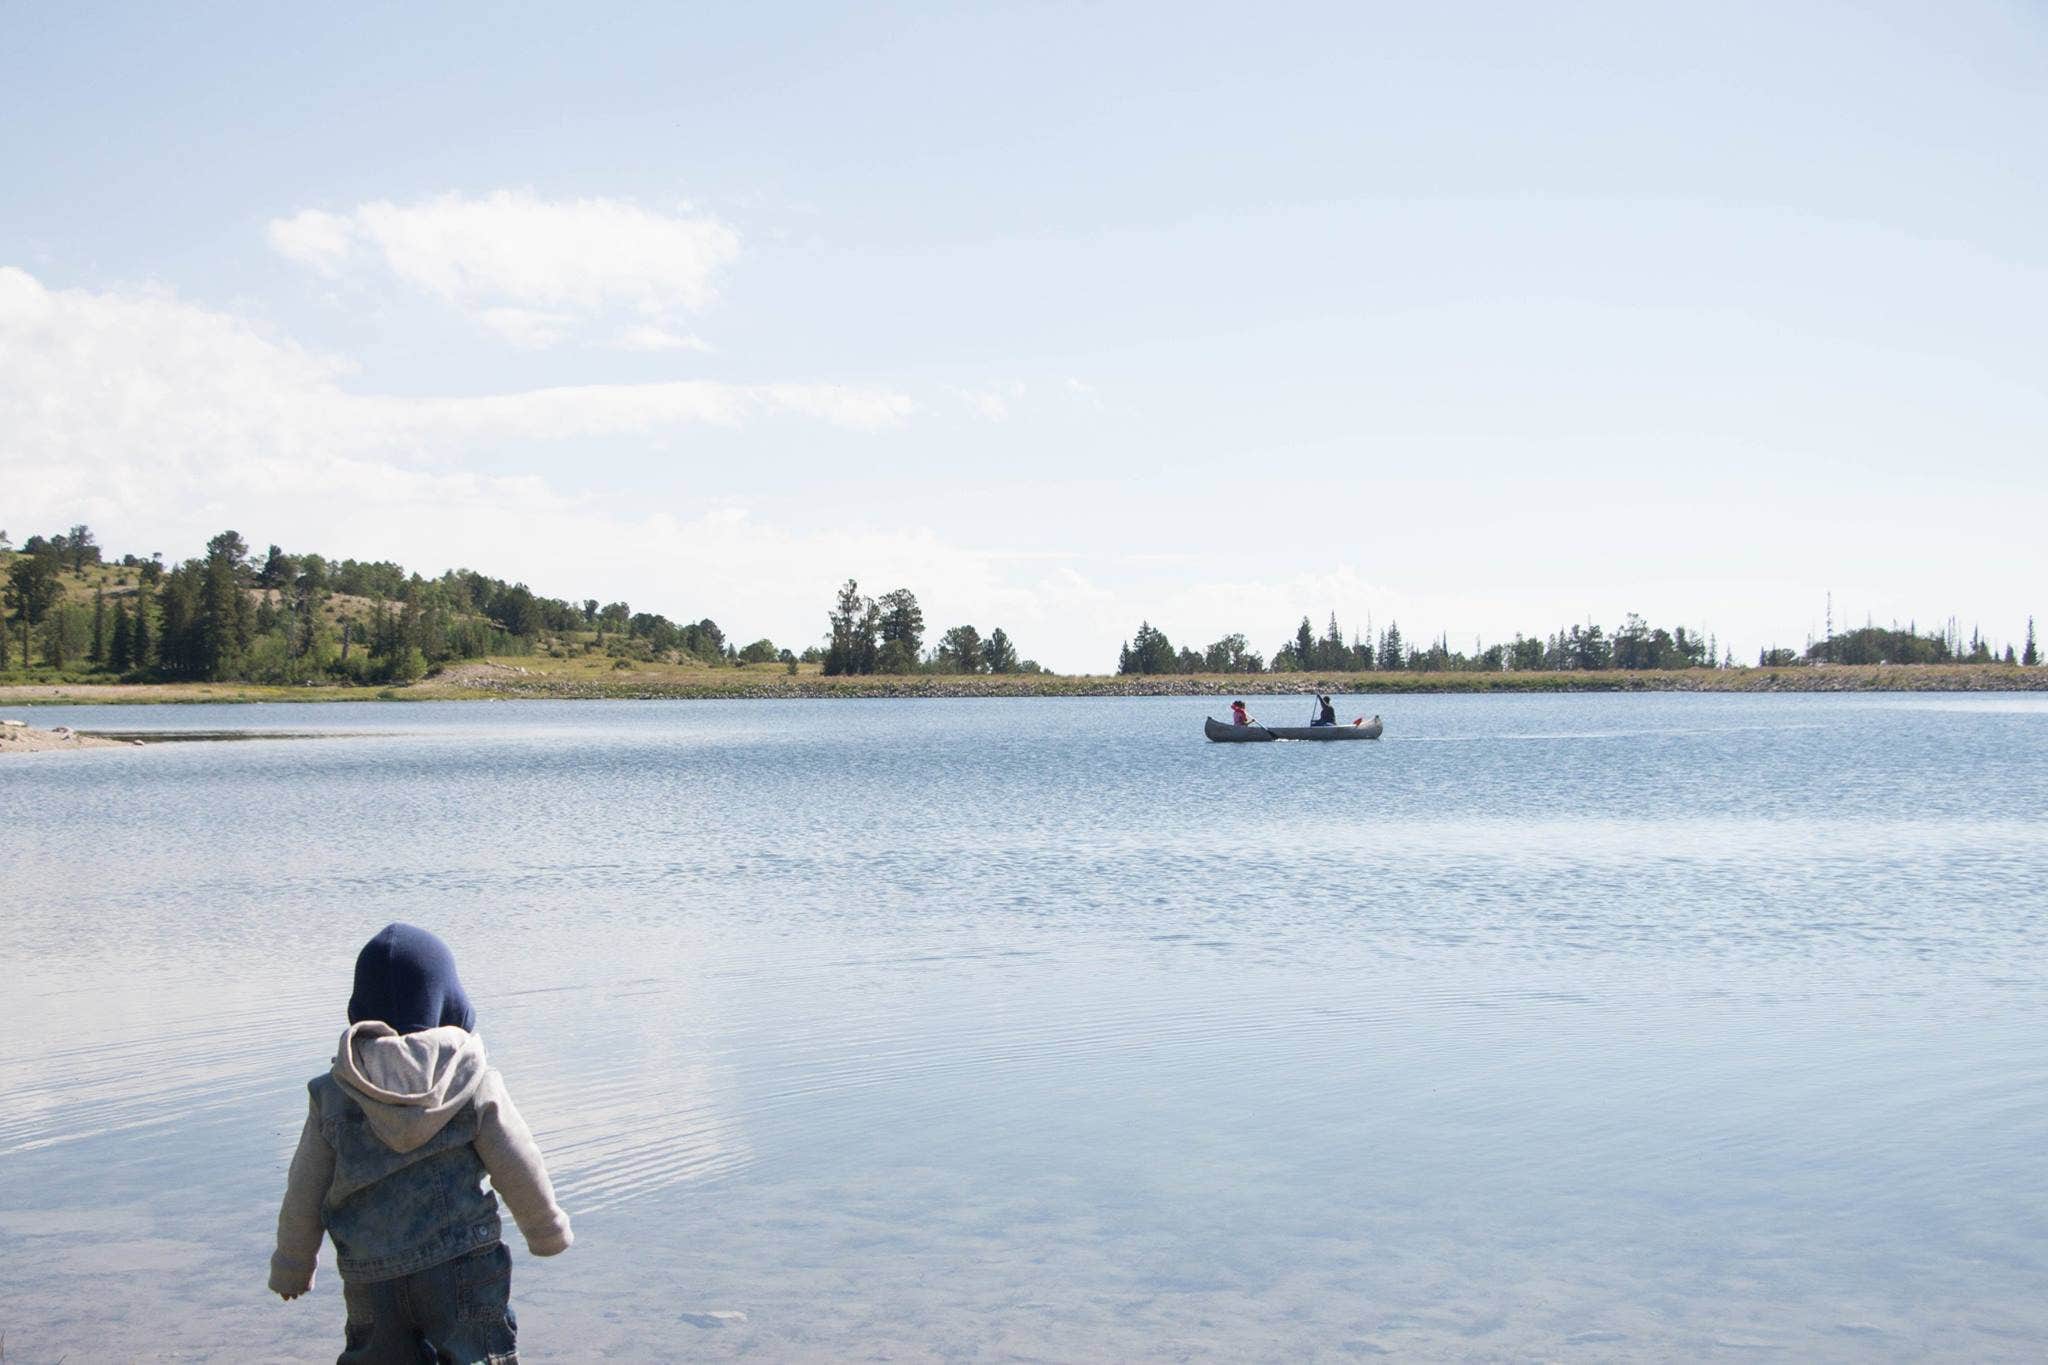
x=523 y=266
x=647 y=337
x=320 y=241
x=160 y=422
x=528 y=327
x=991 y=404
x=563 y=413
x=143 y=397
x=990 y=407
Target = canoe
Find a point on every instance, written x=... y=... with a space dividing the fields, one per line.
x=1255 y=734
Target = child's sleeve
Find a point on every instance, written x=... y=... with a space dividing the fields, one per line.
x=299 y=1228
x=517 y=1172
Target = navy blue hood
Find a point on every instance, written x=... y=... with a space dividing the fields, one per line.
x=406 y=977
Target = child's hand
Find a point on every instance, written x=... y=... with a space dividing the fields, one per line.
x=287 y=1281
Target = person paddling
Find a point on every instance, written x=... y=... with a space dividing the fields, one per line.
x=1238 y=715
x=1326 y=711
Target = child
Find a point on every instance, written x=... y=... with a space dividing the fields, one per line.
x=398 y=1138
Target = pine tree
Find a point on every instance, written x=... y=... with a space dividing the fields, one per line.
x=139 y=641
x=278 y=571
x=998 y=652
x=902 y=632
x=856 y=623
x=32 y=590
x=1147 y=652
x=224 y=607
x=307 y=623
x=2032 y=656
x=56 y=639
x=121 y=640
x=98 y=653
x=1393 y=654
x=959 y=651
x=82 y=548
x=867 y=639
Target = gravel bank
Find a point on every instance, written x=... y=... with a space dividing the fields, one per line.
x=18 y=737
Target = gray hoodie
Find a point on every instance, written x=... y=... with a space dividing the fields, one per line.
x=422 y=1096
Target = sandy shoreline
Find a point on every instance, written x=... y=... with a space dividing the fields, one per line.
x=18 y=737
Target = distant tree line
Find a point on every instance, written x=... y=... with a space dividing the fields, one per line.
x=1879 y=645
x=1633 y=645
x=285 y=618
x=886 y=635
x=628 y=634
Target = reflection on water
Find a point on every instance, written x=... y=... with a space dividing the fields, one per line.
x=1604 y=1027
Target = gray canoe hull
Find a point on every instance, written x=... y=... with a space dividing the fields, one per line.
x=1260 y=734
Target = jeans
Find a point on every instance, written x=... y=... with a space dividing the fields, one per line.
x=455 y=1313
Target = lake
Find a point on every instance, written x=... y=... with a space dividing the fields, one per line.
x=1586 y=1027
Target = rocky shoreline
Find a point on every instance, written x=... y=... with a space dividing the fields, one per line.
x=499 y=680
x=19 y=737
x=506 y=679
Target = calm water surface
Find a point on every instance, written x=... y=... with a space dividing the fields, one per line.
x=1580 y=1027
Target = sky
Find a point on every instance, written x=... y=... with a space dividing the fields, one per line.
x=1478 y=318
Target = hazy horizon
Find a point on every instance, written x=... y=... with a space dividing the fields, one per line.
x=1062 y=317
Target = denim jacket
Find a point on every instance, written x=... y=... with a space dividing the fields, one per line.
x=391 y=1213
x=399 y=1136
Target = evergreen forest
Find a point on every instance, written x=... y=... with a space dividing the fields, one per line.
x=69 y=610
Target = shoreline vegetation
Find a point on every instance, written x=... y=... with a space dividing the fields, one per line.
x=78 y=626
x=526 y=678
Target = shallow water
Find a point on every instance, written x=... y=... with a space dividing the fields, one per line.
x=1584 y=1027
